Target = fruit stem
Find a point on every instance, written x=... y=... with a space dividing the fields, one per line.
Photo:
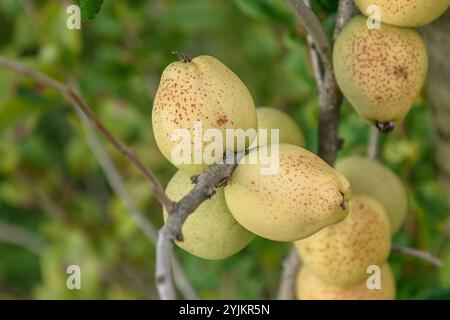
x=182 y=56
x=385 y=127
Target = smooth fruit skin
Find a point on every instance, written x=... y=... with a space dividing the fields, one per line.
x=406 y=13
x=310 y=287
x=289 y=131
x=341 y=253
x=380 y=71
x=203 y=90
x=304 y=196
x=370 y=177
x=210 y=232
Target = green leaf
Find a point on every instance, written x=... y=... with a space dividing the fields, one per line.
x=90 y=8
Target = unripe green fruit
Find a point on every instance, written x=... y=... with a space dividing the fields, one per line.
x=210 y=232
x=341 y=253
x=370 y=177
x=311 y=287
x=203 y=90
x=289 y=131
x=302 y=197
x=380 y=71
x=406 y=13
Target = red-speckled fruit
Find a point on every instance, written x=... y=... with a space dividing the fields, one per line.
x=302 y=197
x=203 y=90
x=341 y=254
x=311 y=287
x=380 y=71
x=406 y=13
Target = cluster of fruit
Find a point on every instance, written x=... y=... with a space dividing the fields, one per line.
x=305 y=196
x=302 y=197
x=382 y=70
x=337 y=259
x=306 y=201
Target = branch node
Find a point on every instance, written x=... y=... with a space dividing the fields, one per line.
x=171 y=209
x=194 y=179
x=222 y=182
x=160 y=279
x=179 y=237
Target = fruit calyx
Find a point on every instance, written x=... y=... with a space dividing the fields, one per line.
x=343 y=204
x=183 y=57
x=385 y=127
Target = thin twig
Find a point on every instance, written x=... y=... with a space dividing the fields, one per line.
x=79 y=104
x=347 y=9
x=181 y=280
x=372 y=152
x=205 y=188
x=22 y=237
x=315 y=62
x=330 y=99
x=155 y=186
x=315 y=59
x=330 y=96
x=425 y=255
x=291 y=265
x=311 y=23
x=115 y=180
x=373 y=145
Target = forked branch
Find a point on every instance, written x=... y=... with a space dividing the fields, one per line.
x=330 y=99
x=205 y=187
x=86 y=112
x=311 y=23
x=79 y=104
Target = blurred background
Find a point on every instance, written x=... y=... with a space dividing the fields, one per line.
x=57 y=208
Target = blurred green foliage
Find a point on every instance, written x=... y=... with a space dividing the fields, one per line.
x=52 y=185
